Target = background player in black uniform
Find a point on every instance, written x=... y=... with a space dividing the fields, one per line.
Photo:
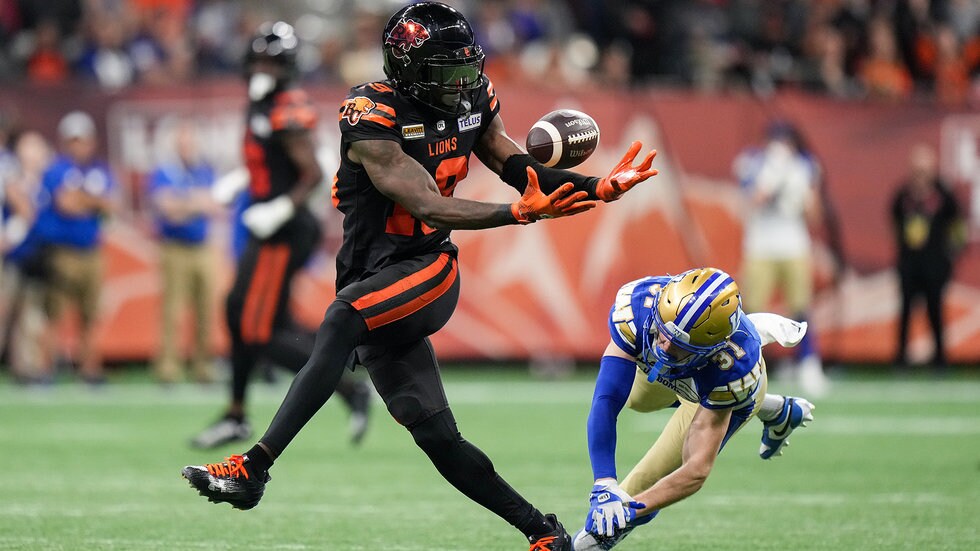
x=405 y=145
x=283 y=170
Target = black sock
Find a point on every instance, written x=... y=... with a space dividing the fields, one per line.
x=535 y=525
x=258 y=459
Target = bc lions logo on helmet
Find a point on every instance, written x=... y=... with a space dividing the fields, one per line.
x=354 y=108
x=406 y=35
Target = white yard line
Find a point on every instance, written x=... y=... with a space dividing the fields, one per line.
x=474 y=392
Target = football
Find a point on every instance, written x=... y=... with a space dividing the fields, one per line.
x=563 y=138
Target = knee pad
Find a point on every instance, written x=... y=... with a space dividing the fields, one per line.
x=341 y=316
x=437 y=433
x=406 y=409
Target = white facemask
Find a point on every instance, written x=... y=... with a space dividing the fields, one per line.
x=260 y=85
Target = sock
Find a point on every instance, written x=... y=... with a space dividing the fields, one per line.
x=259 y=459
x=772 y=406
x=535 y=525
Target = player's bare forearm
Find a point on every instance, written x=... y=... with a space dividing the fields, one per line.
x=302 y=151
x=405 y=181
x=461 y=214
x=495 y=146
x=701 y=446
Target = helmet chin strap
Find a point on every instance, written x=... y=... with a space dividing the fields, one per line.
x=438 y=108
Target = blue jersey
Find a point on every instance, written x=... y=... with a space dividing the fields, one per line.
x=57 y=228
x=181 y=181
x=731 y=376
x=730 y=379
x=27 y=249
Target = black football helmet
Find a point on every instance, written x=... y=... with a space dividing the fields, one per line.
x=430 y=53
x=276 y=42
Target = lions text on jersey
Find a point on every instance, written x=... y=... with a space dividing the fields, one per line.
x=376 y=229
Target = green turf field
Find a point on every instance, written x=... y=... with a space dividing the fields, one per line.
x=886 y=465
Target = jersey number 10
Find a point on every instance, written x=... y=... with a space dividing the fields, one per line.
x=450 y=172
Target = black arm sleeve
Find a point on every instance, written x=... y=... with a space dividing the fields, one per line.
x=515 y=174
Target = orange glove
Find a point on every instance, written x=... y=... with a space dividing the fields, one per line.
x=535 y=205
x=624 y=176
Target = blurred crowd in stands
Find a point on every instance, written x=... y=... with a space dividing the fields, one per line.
x=888 y=49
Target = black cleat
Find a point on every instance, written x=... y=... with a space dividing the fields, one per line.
x=230 y=481
x=556 y=540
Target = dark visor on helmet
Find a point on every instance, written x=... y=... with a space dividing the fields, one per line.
x=455 y=74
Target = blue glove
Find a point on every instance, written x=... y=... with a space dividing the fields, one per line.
x=610 y=508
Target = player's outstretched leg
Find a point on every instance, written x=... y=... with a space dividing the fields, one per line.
x=231 y=481
x=240 y=479
x=556 y=540
x=795 y=413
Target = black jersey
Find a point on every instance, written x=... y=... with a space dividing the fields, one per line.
x=271 y=171
x=378 y=231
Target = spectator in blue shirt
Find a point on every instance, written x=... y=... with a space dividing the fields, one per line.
x=77 y=194
x=180 y=195
x=23 y=324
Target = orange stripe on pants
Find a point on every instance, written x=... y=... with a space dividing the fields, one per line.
x=402 y=285
x=267 y=313
x=413 y=305
x=268 y=271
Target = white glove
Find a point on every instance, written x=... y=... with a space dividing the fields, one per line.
x=229 y=185
x=264 y=219
x=610 y=508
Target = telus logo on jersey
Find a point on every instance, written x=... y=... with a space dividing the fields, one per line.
x=355 y=108
x=470 y=122
x=406 y=35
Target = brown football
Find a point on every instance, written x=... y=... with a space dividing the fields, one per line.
x=563 y=138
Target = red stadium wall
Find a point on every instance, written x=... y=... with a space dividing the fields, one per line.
x=544 y=291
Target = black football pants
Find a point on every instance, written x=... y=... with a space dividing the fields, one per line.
x=387 y=318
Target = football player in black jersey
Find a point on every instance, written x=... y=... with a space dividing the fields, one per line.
x=280 y=156
x=405 y=145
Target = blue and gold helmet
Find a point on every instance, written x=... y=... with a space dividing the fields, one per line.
x=696 y=312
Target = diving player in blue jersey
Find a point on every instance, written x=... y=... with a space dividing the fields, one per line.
x=681 y=342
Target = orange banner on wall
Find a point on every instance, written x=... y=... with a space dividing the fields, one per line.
x=544 y=291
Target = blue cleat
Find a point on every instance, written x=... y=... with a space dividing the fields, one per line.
x=797 y=412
